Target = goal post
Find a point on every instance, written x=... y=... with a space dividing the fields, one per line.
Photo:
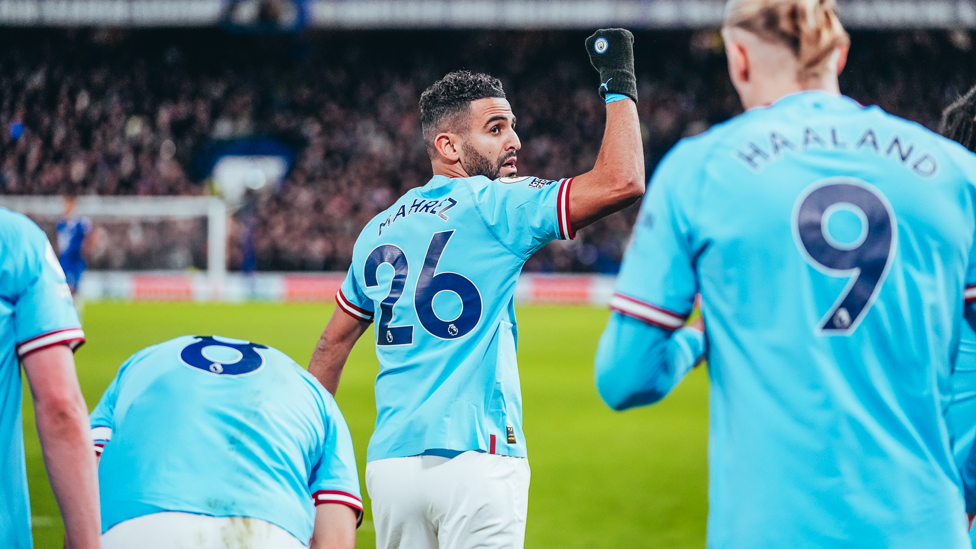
x=147 y=208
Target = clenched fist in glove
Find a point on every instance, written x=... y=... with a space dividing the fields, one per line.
x=611 y=53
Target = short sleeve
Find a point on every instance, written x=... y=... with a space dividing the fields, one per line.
x=657 y=282
x=526 y=213
x=335 y=478
x=44 y=313
x=352 y=300
x=102 y=418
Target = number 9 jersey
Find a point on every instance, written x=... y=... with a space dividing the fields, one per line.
x=832 y=247
x=436 y=272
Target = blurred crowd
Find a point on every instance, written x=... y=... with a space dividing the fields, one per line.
x=112 y=112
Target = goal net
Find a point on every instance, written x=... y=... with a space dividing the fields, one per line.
x=142 y=233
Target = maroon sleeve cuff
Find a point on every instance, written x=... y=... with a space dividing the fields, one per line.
x=72 y=337
x=352 y=310
x=344 y=498
x=566 y=231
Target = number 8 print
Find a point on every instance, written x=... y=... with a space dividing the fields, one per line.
x=866 y=260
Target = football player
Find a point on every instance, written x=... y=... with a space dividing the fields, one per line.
x=212 y=442
x=832 y=246
x=72 y=231
x=40 y=329
x=436 y=274
x=958 y=124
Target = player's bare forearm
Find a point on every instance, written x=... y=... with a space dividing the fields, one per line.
x=335 y=527
x=617 y=179
x=333 y=348
x=65 y=435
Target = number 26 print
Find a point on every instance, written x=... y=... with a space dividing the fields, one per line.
x=429 y=285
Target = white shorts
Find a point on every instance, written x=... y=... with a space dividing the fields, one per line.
x=178 y=530
x=475 y=500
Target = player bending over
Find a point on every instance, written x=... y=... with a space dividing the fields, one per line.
x=831 y=244
x=958 y=124
x=217 y=443
x=436 y=272
x=40 y=329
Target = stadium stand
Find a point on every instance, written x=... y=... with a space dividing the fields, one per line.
x=129 y=112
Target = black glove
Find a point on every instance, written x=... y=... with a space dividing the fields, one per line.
x=612 y=55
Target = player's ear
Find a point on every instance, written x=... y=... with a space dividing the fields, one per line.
x=739 y=69
x=842 y=58
x=447 y=146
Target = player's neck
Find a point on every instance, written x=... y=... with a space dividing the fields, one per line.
x=773 y=91
x=448 y=169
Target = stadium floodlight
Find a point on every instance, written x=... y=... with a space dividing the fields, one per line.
x=142 y=208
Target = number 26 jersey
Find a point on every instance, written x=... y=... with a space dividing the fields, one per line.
x=436 y=273
x=831 y=244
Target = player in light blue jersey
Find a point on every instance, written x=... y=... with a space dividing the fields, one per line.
x=40 y=329
x=958 y=124
x=436 y=272
x=831 y=244
x=209 y=439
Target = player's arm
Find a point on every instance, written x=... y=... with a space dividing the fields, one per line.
x=638 y=363
x=62 y=426
x=334 y=484
x=968 y=474
x=645 y=350
x=335 y=527
x=333 y=348
x=617 y=179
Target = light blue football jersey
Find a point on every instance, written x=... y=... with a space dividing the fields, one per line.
x=961 y=417
x=437 y=274
x=221 y=427
x=831 y=244
x=36 y=311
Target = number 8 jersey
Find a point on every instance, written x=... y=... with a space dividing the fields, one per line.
x=831 y=244
x=436 y=272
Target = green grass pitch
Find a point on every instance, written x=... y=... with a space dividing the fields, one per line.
x=600 y=479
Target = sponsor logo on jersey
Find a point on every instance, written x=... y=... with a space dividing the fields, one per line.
x=540 y=183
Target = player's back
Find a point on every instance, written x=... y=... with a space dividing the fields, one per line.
x=437 y=272
x=219 y=427
x=831 y=243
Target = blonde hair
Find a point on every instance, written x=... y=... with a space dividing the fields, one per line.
x=810 y=28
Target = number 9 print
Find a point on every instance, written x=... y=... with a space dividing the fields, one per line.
x=866 y=260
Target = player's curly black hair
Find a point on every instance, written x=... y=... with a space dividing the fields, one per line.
x=444 y=105
x=959 y=120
